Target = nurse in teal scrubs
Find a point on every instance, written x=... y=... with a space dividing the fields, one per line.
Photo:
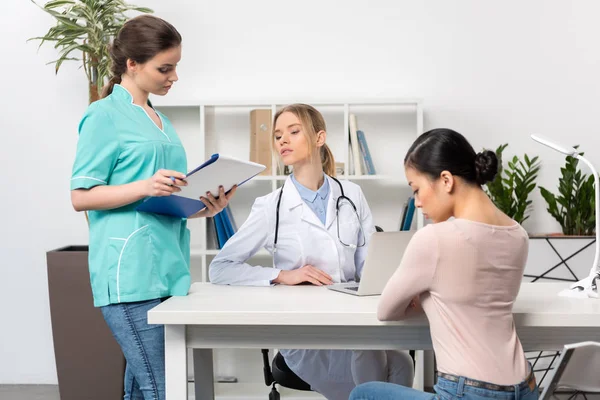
x=126 y=152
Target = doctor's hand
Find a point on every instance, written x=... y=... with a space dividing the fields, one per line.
x=308 y=273
x=214 y=205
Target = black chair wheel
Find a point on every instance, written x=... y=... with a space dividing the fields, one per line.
x=274 y=395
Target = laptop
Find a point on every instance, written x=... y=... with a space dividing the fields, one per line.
x=577 y=370
x=384 y=253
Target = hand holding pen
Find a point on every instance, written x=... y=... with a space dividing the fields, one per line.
x=164 y=183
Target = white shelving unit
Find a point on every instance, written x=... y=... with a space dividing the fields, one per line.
x=390 y=126
x=208 y=127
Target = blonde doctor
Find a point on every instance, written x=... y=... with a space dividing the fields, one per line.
x=317 y=229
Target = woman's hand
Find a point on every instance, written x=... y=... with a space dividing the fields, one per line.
x=215 y=205
x=161 y=184
x=308 y=273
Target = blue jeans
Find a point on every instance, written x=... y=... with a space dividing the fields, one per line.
x=444 y=390
x=143 y=346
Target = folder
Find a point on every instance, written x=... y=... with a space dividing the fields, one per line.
x=218 y=170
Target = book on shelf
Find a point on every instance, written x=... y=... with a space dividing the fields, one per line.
x=360 y=160
x=366 y=155
x=211 y=234
x=354 y=146
x=261 y=139
x=403 y=218
x=408 y=214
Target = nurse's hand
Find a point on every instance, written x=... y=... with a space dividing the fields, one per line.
x=215 y=205
x=308 y=273
x=161 y=183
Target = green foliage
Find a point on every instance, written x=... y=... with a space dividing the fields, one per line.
x=86 y=27
x=574 y=206
x=512 y=186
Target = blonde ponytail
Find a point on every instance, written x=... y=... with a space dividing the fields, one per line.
x=327 y=161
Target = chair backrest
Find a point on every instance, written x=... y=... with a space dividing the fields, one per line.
x=578 y=370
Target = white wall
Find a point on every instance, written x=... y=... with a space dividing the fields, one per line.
x=494 y=71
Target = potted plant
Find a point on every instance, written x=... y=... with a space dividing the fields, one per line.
x=88 y=359
x=512 y=186
x=574 y=205
x=82 y=32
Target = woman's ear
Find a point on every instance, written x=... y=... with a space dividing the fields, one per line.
x=447 y=180
x=321 y=137
x=132 y=66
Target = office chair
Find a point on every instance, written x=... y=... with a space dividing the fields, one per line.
x=280 y=373
x=576 y=373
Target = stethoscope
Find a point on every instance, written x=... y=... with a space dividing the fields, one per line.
x=337 y=213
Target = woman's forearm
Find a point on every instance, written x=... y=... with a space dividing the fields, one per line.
x=107 y=197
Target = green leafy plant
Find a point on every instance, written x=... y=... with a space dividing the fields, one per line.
x=574 y=206
x=512 y=186
x=83 y=29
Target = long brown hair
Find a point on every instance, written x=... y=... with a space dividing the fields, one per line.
x=312 y=123
x=140 y=39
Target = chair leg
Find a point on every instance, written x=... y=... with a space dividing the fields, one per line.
x=274 y=395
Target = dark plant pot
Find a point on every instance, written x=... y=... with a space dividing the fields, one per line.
x=89 y=362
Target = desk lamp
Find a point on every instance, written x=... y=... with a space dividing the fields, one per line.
x=587 y=287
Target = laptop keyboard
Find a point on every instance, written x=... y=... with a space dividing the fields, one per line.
x=353 y=288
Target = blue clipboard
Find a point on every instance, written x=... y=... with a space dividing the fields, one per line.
x=218 y=170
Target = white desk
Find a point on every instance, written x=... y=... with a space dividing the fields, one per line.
x=213 y=316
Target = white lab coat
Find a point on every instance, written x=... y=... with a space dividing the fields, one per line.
x=303 y=240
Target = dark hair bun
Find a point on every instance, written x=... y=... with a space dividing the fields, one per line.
x=486 y=166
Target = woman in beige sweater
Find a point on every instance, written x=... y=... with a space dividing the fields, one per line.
x=464 y=273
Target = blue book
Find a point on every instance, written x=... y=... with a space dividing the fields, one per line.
x=221 y=231
x=227 y=222
x=410 y=211
x=219 y=170
x=404 y=210
x=366 y=154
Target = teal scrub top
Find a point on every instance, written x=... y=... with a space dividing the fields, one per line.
x=133 y=256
